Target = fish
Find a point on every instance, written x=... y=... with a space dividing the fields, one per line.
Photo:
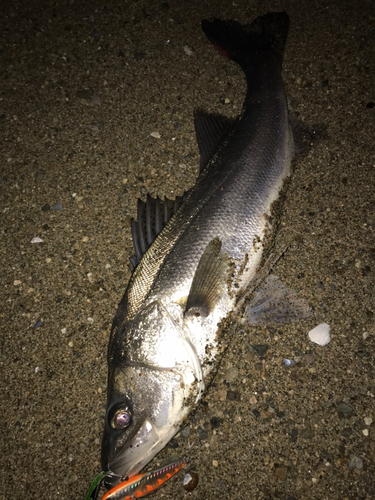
x=198 y=255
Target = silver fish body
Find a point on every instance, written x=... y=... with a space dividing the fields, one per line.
x=164 y=341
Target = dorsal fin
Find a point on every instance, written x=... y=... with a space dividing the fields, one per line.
x=210 y=131
x=152 y=215
x=209 y=281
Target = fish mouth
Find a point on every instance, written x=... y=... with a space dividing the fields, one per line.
x=135 y=454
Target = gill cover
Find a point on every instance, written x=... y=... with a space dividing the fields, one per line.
x=155 y=377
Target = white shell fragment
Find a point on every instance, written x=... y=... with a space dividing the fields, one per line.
x=288 y=362
x=320 y=334
x=36 y=240
x=156 y=135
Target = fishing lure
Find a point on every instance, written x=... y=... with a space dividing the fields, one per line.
x=142 y=484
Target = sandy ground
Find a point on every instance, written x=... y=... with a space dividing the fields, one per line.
x=83 y=85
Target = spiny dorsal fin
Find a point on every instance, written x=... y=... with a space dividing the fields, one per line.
x=152 y=215
x=210 y=131
x=209 y=281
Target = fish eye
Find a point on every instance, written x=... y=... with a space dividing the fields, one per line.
x=121 y=419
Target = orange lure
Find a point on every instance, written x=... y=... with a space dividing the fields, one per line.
x=142 y=484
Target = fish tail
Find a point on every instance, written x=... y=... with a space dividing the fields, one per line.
x=247 y=44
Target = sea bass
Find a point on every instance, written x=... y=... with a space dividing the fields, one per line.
x=196 y=254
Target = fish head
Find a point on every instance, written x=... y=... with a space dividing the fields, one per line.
x=155 y=378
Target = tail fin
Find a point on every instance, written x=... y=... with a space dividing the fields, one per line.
x=242 y=42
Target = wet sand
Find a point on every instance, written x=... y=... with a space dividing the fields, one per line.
x=83 y=87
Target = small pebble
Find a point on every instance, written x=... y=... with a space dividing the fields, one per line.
x=17 y=282
x=365 y=335
x=85 y=239
x=108 y=266
x=320 y=334
x=368 y=420
x=346 y=409
x=38 y=324
x=185 y=432
x=90 y=320
x=96 y=101
x=288 y=362
x=253 y=400
x=57 y=207
x=156 y=135
x=188 y=50
x=355 y=462
x=70 y=478
x=365 y=432
x=36 y=369
x=231 y=374
x=281 y=473
x=215 y=463
x=36 y=240
x=190 y=481
x=70 y=343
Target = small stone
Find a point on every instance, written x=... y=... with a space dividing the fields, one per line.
x=36 y=239
x=85 y=94
x=46 y=208
x=265 y=414
x=188 y=50
x=309 y=359
x=220 y=395
x=185 y=432
x=253 y=400
x=63 y=331
x=96 y=101
x=202 y=434
x=307 y=433
x=288 y=362
x=260 y=349
x=85 y=239
x=320 y=334
x=108 y=266
x=70 y=343
x=38 y=324
x=345 y=408
x=231 y=374
x=156 y=135
x=227 y=100
x=90 y=320
x=355 y=462
x=368 y=420
x=281 y=472
x=70 y=478
x=365 y=432
x=48 y=260
x=190 y=481
x=215 y=463
x=215 y=422
x=17 y=282
x=57 y=207
x=36 y=369
x=233 y=396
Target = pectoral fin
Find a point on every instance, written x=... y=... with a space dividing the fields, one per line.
x=209 y=281
x=275 y=303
